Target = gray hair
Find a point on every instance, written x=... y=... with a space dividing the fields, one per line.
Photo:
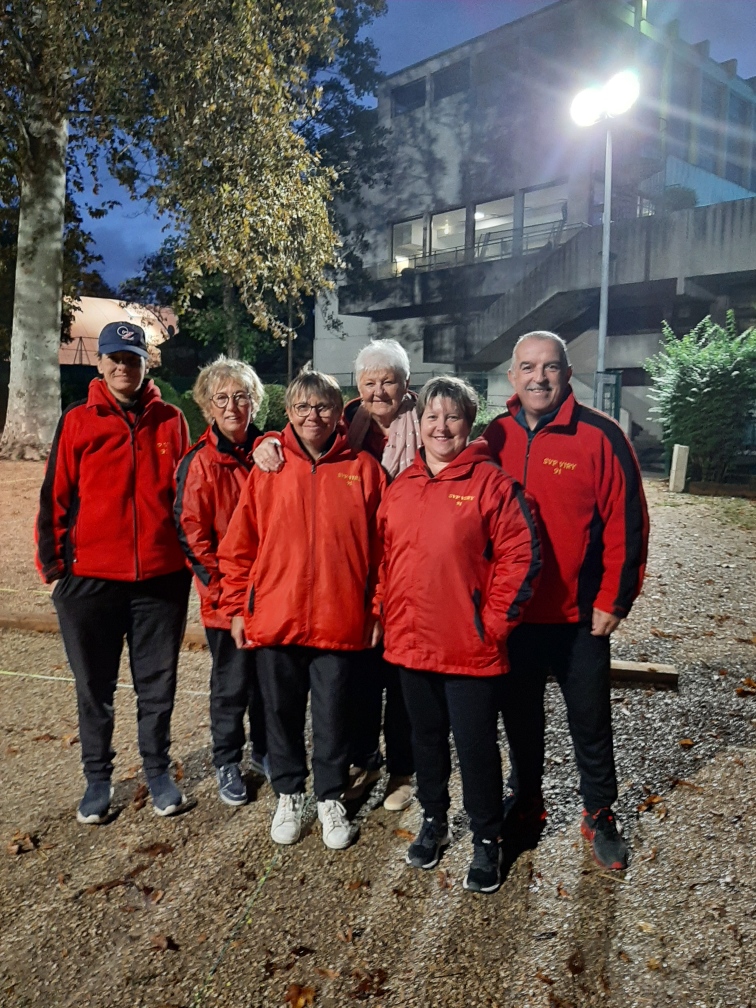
x=464 y=396
x=544 y=334
x=222 y=370
x=317 y=383
x=384 y=353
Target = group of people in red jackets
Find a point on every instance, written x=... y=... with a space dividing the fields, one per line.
x=371 y=559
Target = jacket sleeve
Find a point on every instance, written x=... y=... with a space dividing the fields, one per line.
x=237 y=553
x=516 y=555
x=624 y=514
x=58 y=500
x=194 y=512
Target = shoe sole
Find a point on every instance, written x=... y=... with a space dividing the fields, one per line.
x=588 y=835
x=482 y=889
x=285 y=843
x=430 y=864
x=397 y=808
x=234 y=804
x=341 y=846
x=92 y=820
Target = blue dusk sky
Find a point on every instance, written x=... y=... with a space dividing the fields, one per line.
x=412 y=30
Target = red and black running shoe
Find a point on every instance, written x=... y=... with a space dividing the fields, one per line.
x=600 y=830
x=524 y=820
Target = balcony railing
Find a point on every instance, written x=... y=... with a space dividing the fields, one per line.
x=489 y=246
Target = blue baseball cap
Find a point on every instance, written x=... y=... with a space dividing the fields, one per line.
x=118 y=336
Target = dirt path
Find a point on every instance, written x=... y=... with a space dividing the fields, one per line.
x=87 y=913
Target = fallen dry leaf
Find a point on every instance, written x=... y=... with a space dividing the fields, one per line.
x=202 y=938
x=543 y=978
x=154 y=849
x=178 y=774
x=357 y=884
x=47 y=737
x=399 y=892
x=300 y=997
x=646 y=928
x=742 y=691
x=653 y=963
x=681 y=782
x=651 y=856
x=329 y=974
x=130 y=774
x=576 y=963
x=163 y=943
x=346 y=935
x=104 y=886
x=686 y=743
x=140 y=797
x=649 y=801
x=444 y=879
x=69 y=740
x=22 y=843
x=11 y=750
x=370 y=984
x=404 y=834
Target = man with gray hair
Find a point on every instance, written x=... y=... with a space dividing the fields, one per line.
x=578 y=467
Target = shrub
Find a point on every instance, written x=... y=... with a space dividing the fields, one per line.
x=272 y=415
x=705 y=387
x=186 y=404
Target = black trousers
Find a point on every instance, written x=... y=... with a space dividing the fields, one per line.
x=234 y=689
x=580 y=664
x=286 y=676
x=95 y=615
x=468 y=705
x=369 y=677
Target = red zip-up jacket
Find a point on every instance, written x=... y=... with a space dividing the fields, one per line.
x=106 y=503
x=209 y=482
x=582 y=473
x=460 y=556
x=300 y=557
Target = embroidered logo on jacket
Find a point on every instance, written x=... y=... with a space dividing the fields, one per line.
x=459 y=499
x=560 y=467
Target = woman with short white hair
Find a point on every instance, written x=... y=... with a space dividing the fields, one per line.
x=383 y=422
x=209 y=480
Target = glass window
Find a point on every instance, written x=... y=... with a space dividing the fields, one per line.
x=680 y=94
x=447 y=233
x=451 y=80
x=545 y=214
x=738 y=113
x=440 y=344
x=406 y=242
x=408 y=97
x=493 y=228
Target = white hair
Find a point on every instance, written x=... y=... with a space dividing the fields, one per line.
x=544 y=334
x=383 y=353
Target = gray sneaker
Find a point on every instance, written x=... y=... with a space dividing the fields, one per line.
x=166 y=797
x=95 y=805
x=231 y=787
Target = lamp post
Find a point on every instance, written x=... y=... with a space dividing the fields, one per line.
x=618 y=95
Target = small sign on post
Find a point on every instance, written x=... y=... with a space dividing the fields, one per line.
x=678 y=468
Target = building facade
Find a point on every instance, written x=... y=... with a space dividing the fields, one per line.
x=491 y=219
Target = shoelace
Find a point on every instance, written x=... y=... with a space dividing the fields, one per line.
x=334 y=812
x=483 y=854
x=289 y=805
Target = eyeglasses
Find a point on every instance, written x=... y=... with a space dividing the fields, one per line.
x=221 y=399
x=302 y=409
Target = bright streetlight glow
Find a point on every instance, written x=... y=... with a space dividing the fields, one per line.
x=618 y=95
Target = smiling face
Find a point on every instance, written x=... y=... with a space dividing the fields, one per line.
x=123 y=373
x=314 y=419
x=444 y=431
x=381 y=392
x=539 y=376
x=234 y=414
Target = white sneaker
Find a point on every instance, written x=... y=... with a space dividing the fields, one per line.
x=337 y=831
x=287 y=822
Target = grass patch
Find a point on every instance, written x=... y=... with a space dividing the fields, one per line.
x=735 y=511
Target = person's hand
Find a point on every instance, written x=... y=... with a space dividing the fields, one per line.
x=237 y=631
x=377 y=634
x=603 y=623
x=268 y=455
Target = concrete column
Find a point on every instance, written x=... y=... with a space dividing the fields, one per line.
x=518 y=221
x=678 y=468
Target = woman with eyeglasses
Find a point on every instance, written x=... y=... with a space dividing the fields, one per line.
x=299 y=565
x=209 y=480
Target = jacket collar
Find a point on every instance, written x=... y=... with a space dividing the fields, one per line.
x=227 y=451
x=100 y=396
x=338 y=451
x=565 y=414
x=471 y=455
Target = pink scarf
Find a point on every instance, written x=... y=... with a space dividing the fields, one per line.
x=403 y=435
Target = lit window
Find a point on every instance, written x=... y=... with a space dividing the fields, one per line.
x=447 y=233
x=545 y=214
x=493 y=228
x=406 y=243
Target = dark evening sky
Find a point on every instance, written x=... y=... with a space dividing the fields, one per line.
x=415 y=29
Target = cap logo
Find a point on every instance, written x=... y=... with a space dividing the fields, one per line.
x=125 y=333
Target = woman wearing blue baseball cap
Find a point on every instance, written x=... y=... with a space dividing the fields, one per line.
x=106 y=536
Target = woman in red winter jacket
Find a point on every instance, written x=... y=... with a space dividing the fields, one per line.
x=209 y=481
x=460 y=556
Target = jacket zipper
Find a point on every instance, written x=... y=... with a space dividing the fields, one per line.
x=314 y=474
x=133 y=501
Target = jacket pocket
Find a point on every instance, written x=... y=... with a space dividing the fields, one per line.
x=251 y=600
x=477 y=617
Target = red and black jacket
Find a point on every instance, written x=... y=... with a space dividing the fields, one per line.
x=209 y=481
x=460 y=557
x=106 y=503
x=581 y=472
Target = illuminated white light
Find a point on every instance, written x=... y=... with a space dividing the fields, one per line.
x=587 y=107
x=400 y=263
x=479 y=215
x=621 y=92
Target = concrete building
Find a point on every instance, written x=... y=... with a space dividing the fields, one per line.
x=490 y=225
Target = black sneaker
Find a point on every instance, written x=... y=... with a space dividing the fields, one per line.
x=425 y=851
x=484 y=873
x=524 y=820
x=231 y=787
x=95 y=805
x=608 y=848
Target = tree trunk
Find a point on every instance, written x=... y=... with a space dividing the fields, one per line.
x=34 y=391
x=229 y=301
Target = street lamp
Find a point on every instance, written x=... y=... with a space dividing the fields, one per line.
x=618 y=95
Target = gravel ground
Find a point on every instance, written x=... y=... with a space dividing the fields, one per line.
x=202 y=909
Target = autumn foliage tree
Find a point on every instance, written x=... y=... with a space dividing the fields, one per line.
x=193 y=104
